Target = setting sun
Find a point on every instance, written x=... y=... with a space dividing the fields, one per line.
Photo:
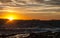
x=11 y=18
x=14 y=16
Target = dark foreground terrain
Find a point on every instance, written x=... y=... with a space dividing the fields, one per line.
x=29 y=28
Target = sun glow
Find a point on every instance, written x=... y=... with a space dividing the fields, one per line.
x=11 y=15
x=14 y=16
x=11 y=18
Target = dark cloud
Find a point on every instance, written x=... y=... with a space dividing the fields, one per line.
x=51 y=2
x=54 y=2
x=39 y=1
x=5 y=1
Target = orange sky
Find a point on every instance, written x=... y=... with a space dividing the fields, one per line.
x=29 y=16
x=29 y=12
x=22 y=15
x=16 y=16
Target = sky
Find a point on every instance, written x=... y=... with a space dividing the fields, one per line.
x=31 y=9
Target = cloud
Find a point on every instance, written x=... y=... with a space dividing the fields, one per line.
x=32 y=9
x=29 y=2
x=5 y=1
x=48 y=2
